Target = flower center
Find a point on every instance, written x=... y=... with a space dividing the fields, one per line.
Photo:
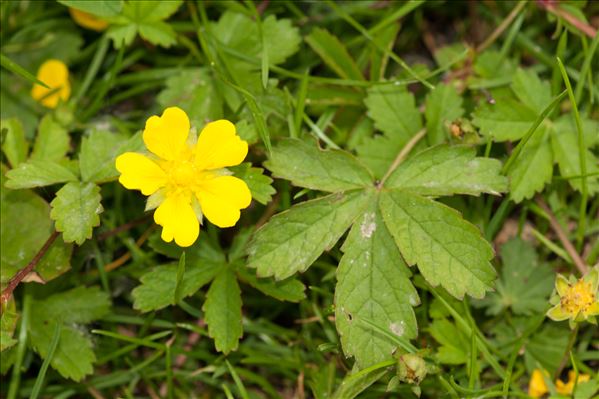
x=578 y=298
x=183 y=174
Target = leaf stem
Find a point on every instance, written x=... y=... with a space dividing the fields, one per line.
x=561 y=234
x=21 y=274
x=401 y=156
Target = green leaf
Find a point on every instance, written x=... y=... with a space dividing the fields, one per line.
x=334 y=54
x=35 y=173
x=195 y=92
x=353 y=385
x=8 y=323
x=507 y=120
x=533 y=168
x=52 y=142
x=565 y=151
x=291 y=290
x=394 y=112
x=99 y=8
x=546 y=348
x=98 y=152
x=455 y=346
x=25 y=227
x=443 y=105
x=14 y=145
x=307 y=166
x=292 y=240
x=144 y=17
x=373 y=283
x=445 y=170
x=157 y=289
x=240 y=32
x=524 y=284
x=448 y=250
x=532 y=91
x=75 y=210
x=74 y=355
x=223 y=311
x=259 y=184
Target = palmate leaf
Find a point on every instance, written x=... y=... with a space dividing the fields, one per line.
x=445 y=170
x=292 y=240
x=387 y=221
x=36 y=173
x=223 y=311
x=334 y=54
x=448 y=250
x=524 y=285
x=565 y=150
x=455 y=346
x=259 y=184
x=14 y=144
x=290 y=289
x=52 y=141
x=506 y=120
x=373 y=283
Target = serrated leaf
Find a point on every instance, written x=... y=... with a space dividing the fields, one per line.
x=532 y=91
x=14 y=145
x=195 y=92
x=8 y=323
x=307 y=166
x=334 y=54
x=98 y=152
x=259 y=184
x=240 y=32
x=448 y=250
x=35 y=173
x=74 y=355
x=223 y=311
x=373 y=283
x=507 y=120
x=455 y=346
x=157 y=289
x=565 y=151
x=100 y=8
x=292 y=240
x=52 y=141
x=146 y=18
x=443 y=105
x=524 y=284
x=75 y=210
x=291 y=290
x=533 y=168
x=394 y=112
x=448 y=170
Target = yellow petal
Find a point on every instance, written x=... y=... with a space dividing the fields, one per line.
x=557 y=313
x=88 y=20
x=537 y=386
x=592 y=310
x=54 y=74
x=166 y=135
x=178 y=221
x=138 y=172
x=219 y=146
x=221 y=199
x=561 y=285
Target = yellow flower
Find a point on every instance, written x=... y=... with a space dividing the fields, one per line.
x=54 y=74
x=537 y=386
x=576 y=300
x=567 y=388
x=186 y=178
x=88 y=20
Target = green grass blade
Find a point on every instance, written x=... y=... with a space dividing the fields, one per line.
x=19 y=70
x=37 y=387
